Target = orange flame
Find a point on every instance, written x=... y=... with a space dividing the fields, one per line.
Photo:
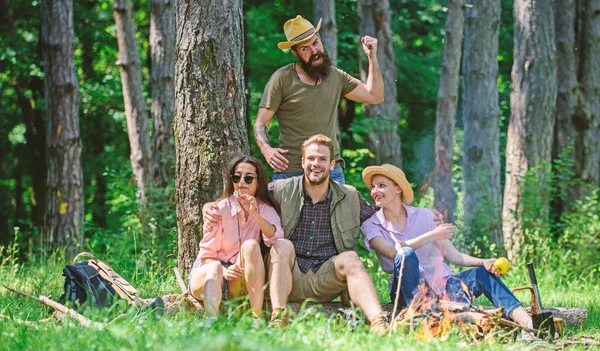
x=466 y=289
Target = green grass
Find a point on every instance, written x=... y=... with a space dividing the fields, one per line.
x=184 y=331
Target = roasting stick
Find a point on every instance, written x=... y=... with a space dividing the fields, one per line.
x=238 y=207
x=398 y=247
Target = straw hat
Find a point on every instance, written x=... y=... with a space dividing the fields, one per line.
x=297 y=30
x=392 y=172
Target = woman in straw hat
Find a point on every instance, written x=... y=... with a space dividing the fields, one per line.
x=399 y=229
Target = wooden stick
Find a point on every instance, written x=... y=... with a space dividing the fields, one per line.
x=61 y=308
x=180 y=281
x=511 y=324
x=399 y=282
x=494 y=312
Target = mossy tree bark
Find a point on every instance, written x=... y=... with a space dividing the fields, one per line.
x=64 y=208
x=209 y=125
x=384 y=141
x=481 y=142
x=162 y=71
x=136 y=112
x=445 y=197
x=530 y=131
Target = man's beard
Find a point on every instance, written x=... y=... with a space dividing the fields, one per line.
x=319 y=71
x=324 y=176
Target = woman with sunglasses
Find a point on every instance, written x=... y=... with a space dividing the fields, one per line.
x=229 y=263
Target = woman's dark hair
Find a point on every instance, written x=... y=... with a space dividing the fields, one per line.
x=262 y=192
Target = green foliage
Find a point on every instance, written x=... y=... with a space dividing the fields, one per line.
x=578 y=246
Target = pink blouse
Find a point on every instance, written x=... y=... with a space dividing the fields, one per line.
x=221 y=243
x=418 y=222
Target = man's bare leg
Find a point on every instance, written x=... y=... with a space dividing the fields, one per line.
x=281 y=264
x=350 y=268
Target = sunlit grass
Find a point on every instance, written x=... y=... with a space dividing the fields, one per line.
x=308 y=331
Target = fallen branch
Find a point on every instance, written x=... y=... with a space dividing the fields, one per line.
x=61 y=308
x=506 y=323
x=180 y=281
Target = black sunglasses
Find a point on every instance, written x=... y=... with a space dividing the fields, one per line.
x=248 y=179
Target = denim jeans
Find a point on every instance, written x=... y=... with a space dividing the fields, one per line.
x=479 y=281
x=337 y=174
x=410 y=277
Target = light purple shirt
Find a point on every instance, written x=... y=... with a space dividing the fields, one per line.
x=222 y=242
x=419 y=221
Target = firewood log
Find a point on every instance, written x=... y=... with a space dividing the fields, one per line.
x=481 y=320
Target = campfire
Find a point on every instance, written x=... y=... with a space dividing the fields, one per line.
x=431 y=315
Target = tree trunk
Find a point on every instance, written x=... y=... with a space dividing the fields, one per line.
x=588 y=124
x=578 y=101
x=384 y=141
x=445 y=197
x=64 y=196
x=162 y=53
x=532 y=100
x=135 y=106
x=481 y=142
x=325 y=9
x=210 y=126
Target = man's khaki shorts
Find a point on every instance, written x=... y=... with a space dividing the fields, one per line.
x=322 y=286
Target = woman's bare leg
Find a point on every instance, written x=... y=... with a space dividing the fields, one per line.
x=205 y=285
x=253 y=278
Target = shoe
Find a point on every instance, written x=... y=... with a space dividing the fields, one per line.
x=256 y=322
x=279 y=318
x=380 y=324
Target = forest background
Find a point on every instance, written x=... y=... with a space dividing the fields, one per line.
x=556 y=220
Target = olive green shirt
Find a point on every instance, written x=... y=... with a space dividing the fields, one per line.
x=304 y=110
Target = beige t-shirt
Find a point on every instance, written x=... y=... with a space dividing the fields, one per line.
x=304 y=110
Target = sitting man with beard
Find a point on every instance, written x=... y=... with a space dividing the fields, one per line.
x=321 y=221
x=305 y=94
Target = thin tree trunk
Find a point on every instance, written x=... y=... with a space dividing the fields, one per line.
x=445 y=197
x=481 y=141
x=578 y=103
x=64 y=196
x=589 y=123
x=210 y=126
x=135 y=106
x=569 y=94
x=532 y=100
x=325 y=9
x=162 y=53
x=384 y=142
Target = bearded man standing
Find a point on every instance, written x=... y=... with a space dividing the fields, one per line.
x=304 y=96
